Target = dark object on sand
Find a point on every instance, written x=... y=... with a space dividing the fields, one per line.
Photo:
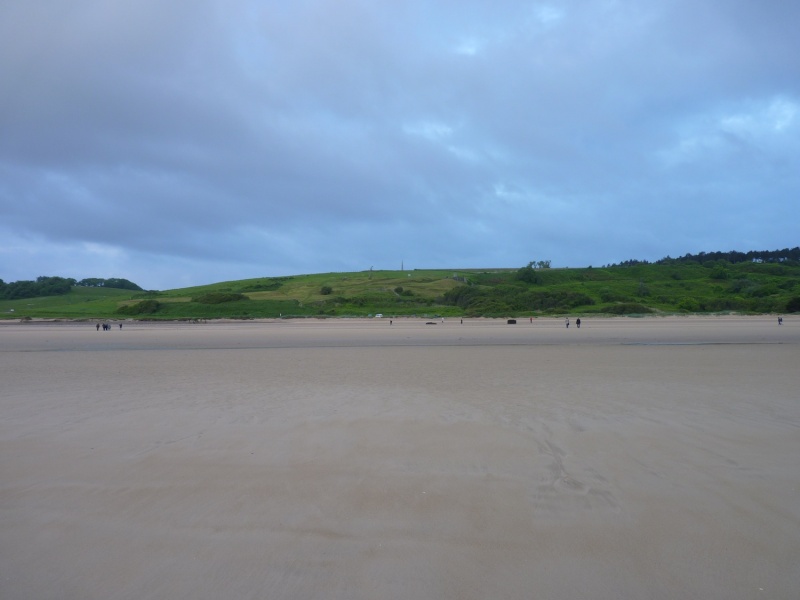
x=512 y=321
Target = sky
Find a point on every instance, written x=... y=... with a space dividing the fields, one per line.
x=184 y=143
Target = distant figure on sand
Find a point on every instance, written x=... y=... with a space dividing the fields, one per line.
x=98 y=327
x=578 y=322
x=120 y=326
x=780 y=320
x=566 y=322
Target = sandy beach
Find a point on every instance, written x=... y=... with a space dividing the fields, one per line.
x=343 y=459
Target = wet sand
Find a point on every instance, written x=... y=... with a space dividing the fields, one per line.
x=353 y=459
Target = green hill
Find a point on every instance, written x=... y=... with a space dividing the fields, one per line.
x=667 y=287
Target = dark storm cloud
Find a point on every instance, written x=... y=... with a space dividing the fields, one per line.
x=247 y=138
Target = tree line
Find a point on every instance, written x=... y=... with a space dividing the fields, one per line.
x=113 y=282
x=732 y=256
x=57 y=286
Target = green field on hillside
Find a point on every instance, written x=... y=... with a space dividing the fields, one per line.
x=713 y=287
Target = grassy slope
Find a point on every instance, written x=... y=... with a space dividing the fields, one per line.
x=744 y=287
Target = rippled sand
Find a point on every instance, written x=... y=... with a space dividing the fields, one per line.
x=348 y=459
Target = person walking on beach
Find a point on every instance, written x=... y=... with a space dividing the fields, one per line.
x=98 y=327
x=578 y=322
x=566 y=321
x=780 y=320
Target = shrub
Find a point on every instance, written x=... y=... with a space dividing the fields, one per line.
x=719 y=272
x=628 y=308
x=742 y=285
x=145 y=307
x=763 y=291
x=689 y=305
x=793 y=305
x=609 y=295
x=219 y=298
x=265 y=285
x=326 y=290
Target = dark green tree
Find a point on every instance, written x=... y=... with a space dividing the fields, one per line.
x=527 y=274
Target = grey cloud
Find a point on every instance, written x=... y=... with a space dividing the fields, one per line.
x=452 y=133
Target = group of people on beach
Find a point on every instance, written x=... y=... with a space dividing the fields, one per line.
x=577 y=322
x=106 y=326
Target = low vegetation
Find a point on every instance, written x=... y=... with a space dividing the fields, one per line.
x=145 y=307
x=748 y=283
x=219 y=297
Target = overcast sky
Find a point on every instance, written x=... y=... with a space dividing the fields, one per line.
x=182 y=143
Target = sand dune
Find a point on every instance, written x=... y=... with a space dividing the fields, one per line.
x=349 y=459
